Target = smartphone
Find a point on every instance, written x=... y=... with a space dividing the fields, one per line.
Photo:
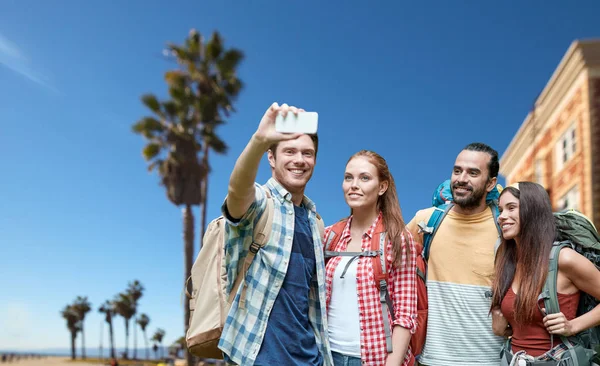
x=303 y=122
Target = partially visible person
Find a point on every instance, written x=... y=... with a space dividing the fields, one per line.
x=357 y=321
x=282 y=320
x=461 y=265
x=522 y=264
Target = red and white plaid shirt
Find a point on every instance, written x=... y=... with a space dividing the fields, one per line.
x=402 y=287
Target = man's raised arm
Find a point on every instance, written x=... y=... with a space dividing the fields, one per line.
x=240 y=194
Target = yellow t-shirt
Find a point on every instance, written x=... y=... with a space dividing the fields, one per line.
x=462 y=250
x=459 y=278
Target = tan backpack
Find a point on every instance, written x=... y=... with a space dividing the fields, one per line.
x=209 y=301
x=208 y=310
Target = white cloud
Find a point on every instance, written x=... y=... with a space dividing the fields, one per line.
x=13 y=58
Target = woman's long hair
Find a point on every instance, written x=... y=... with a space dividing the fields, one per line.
x=531 y=256
x=389 y=205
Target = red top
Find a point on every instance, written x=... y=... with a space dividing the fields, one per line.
x=533 y=337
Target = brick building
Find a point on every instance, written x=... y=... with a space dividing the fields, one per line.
x=558 y=144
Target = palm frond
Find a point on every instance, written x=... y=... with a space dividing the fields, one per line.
x=178 y=52
x=135 y=289
x=151 y=102
x=217 y=145
x=175 y=77
x=229 y=62
x=156 y=163
x=151 y=151
x=233 y=87
x=214 y=47
x=148 y=127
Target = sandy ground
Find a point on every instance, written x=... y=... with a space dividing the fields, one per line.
x=49 y=361
x=65 y=361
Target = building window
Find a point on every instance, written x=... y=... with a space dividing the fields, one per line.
x=566 y=147
x=539 y=171
x=569 y=200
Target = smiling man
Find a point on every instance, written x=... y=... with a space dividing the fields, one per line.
x=461 y=265
x=283 y=320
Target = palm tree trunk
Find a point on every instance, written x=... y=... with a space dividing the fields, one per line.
x=73 y=335
x=126 y=338
x=204 y=208
x=101 y=350
x=112 y=340
x=146 y=343
x=82 y=342
x=204 y=194
x=188 y=250
x=135 y=338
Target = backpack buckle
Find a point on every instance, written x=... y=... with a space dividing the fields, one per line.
x=383 y=285
x=423 y=228
x=254 y=248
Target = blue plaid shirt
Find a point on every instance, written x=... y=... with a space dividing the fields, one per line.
x=244 y=329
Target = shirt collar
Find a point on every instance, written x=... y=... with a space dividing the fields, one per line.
x=374 y=225
x=369 y=232
x=283 y=194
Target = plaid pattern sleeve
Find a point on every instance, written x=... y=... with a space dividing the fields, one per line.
x=245 y=328
x=403 y=284
x=236 y=247
x=402 y=288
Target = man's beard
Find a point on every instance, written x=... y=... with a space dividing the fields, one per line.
x=471 y=200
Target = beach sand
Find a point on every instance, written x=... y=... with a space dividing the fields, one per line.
x=66 y=361
x=48 y=361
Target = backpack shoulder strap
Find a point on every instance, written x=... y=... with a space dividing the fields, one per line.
x=380 y=274
x=429 y=230
x=550 y=290
x=496 y=213
x=333 y=238
x=320 y=226
x=378 y=244
x=260 y=236
x=262 y=231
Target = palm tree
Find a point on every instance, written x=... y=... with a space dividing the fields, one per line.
x=143 y=322
x=211 y=71
x=69 y=314
x=108 y=310
x=155 y=349
x=158 y=338
x=82 y=306
x=174 y=134
x=135 y=290
x=123 y=305
x=203 y=88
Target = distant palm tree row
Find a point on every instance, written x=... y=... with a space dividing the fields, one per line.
x=125 y=305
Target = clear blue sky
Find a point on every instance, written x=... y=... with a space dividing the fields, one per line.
x=79 y=213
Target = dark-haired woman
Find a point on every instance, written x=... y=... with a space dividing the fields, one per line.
x=528 y=232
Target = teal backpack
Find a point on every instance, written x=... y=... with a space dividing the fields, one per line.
x=576 y=231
